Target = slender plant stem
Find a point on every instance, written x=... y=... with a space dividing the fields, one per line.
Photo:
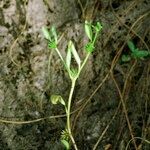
x=96 y=34
x=84 y=62
x=70 y=99
x=59 y=55
x=68 y=113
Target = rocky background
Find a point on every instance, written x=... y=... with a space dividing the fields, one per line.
x=30 y=73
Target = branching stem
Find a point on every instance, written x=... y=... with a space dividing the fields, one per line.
x=70 y=100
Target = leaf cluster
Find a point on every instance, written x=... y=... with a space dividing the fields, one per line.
x=92 y=33
x=136 y=53
x=51 y=36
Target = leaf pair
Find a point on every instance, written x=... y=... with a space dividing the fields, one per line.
x=135 y=52
x=51 y=35
x=91 y=34
x=55 y=99
x=89 y=29
x=71 y=51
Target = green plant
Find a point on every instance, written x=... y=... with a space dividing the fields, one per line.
x=135 y=53
x=74 y=72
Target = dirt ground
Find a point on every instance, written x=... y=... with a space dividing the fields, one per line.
x=111 y=102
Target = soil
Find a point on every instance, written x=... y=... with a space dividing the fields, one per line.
x=111 y=102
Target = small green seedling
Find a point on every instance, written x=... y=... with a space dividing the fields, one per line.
x=136 y=53
x=92 y=32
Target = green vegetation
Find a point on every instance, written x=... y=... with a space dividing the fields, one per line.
x=136 y=53
x=92 y=32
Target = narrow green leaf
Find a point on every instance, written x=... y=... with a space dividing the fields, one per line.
x=62 y=101
x=74 y=52
x=68 y=57
x=55 y=99
x=54 y=33
x=88 y=30
x=66 y=144
x=46 y=33
x=140 y=53
x=131 y=45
